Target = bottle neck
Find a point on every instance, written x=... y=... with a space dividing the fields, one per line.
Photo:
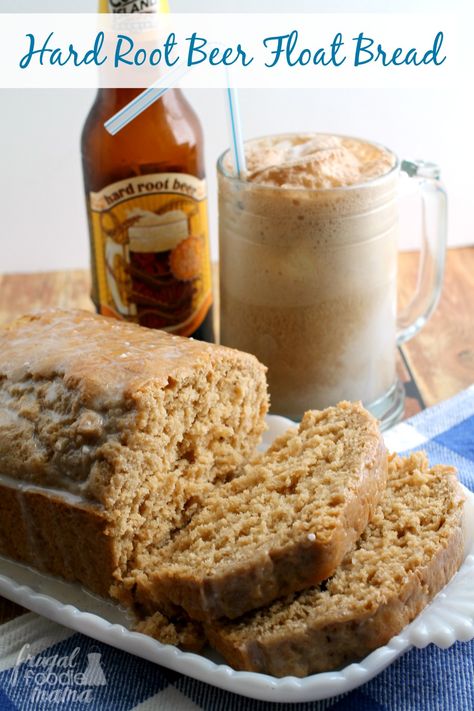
x=116 y=98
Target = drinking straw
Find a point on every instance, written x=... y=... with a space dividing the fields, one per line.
x=141 y=102
x=235 y=124
x=146 y=98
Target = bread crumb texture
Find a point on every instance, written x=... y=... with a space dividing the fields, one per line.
x=179 y=632
x=407 y=553
x=285 y=523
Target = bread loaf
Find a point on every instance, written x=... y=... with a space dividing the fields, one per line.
x=110 y=437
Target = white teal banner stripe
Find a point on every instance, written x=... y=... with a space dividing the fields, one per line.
x=360 y=50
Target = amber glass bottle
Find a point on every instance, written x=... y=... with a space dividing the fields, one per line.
x=147 y=209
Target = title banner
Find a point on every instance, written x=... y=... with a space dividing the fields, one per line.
x=215 y=50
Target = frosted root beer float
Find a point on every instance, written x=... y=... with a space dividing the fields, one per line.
x=147 y=208
x=308 y=268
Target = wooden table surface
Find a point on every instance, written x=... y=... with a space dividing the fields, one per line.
x=441 y=357
x=439 y=360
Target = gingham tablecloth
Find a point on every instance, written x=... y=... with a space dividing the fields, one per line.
x=431 y=679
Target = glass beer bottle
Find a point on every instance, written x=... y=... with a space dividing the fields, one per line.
x=147 y=208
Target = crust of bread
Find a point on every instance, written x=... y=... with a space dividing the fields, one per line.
x=58 y=537
x=328 y=641
x=71 y=343
x=335 y=643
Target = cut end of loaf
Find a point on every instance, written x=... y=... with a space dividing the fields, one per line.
x=192 y=435
x=283 y=524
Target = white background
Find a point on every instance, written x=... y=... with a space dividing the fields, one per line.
x=43 y=224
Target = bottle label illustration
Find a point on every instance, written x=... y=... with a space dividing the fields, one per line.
x=116 y=6
x=150 y=251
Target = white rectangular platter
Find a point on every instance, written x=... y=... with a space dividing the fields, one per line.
x=450 y=617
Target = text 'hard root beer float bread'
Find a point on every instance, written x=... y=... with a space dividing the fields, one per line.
x=111 y=436
x=283 y=524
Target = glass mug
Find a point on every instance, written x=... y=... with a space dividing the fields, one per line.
x=308 y=283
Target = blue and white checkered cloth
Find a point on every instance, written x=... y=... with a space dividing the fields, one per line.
x=430 y=679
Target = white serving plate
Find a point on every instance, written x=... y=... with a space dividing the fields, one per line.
x=449 y=618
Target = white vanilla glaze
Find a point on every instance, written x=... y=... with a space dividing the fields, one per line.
x=27 y=487
x=104 y=359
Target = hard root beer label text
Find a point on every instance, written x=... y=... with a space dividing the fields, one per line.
x=150 y=251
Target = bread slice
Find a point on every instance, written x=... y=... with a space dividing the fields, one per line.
x=285 y=523
x=135 y=424
x=178 y=631
x=409 y=551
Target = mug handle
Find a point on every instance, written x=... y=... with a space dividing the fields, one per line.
x=433 y=249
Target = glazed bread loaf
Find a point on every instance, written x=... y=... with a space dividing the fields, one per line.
x=409 y=551
x=111 y=435
x=285 y=523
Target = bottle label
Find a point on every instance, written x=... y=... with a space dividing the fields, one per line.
x=116 y=6
x=150 y=251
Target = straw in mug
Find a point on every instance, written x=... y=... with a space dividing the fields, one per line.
x=236 y=143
